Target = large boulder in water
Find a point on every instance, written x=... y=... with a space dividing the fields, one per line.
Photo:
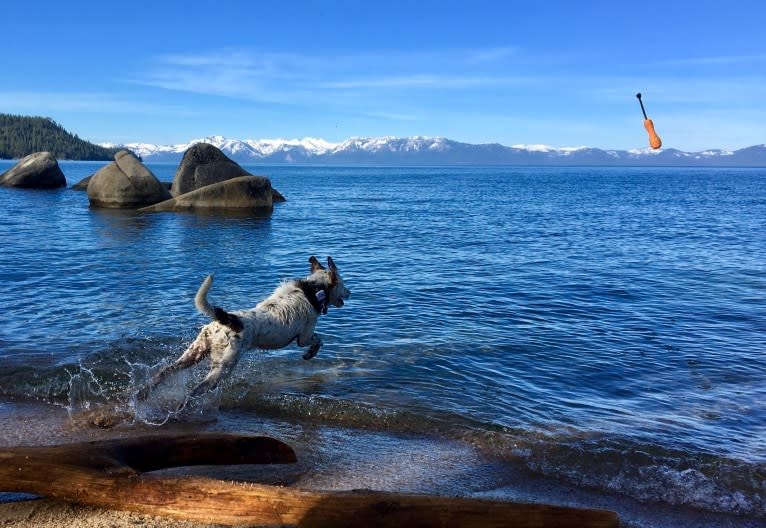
x=125 y=183
x=82 y=185
x=242 y=194
x=36 y=171
x=204 y=164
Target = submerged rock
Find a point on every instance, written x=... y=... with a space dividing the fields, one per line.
x=82 y=185
x=125 y=183
x=244 y=193
x=36 y=171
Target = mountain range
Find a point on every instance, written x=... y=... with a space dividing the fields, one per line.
x=420 y=150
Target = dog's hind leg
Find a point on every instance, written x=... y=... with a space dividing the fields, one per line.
x=196 y=352
x=221 y=363
x=210 y=382
x=217 y=370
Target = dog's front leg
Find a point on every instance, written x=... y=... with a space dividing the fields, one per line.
x=314 y=343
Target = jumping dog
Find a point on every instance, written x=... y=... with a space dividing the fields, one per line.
x=289 y=314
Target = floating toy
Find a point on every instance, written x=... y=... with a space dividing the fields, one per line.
x=654 y=140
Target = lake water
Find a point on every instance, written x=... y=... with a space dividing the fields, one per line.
x=594 y=336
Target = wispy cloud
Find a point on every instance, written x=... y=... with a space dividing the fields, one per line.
x=265 y=77
x=716 y=60
x=393 y=117
x=416 y=81
x=87 y=102
x=680 y=91
x=493 y=55
x=288 y=78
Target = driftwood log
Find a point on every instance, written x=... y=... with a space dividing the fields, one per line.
x=112 y=474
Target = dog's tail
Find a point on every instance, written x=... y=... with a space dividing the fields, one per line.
x=214 y=312
x=200 y=300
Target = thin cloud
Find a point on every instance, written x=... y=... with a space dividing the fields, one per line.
x=716 y=60
x=87 y=102
x=733 y=91
x=493 y=55
x=289 y=78
x=279 y=78
x=415 y=81
x=392 y=116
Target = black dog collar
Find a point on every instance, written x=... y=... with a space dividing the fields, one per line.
x=316 y=295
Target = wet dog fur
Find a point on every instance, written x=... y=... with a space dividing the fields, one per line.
x=289 y=314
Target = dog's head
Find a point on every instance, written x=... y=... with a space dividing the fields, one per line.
x=337 y=292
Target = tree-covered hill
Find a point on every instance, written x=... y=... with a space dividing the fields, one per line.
x=24 y=135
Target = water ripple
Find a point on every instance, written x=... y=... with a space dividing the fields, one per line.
x=618 y=302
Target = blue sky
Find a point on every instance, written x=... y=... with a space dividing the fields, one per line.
x=563 y=74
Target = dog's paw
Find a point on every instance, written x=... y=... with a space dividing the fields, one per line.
x=181 y=406
x=310 y=353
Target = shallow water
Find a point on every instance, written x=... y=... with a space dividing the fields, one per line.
x=603 y=328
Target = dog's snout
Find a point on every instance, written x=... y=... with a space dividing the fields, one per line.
x=341 y=297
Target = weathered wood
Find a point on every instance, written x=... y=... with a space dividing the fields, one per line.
x=75 y=470
x=108 y=474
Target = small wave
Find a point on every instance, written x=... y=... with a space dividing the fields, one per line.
x=103 y=393
x=641 y=470
x=101 y=388
x=328 y=410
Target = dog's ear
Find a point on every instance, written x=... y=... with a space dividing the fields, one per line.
x=315 y=265
x=333 y=271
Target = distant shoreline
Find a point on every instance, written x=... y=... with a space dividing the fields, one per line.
x=256 y=163
x=419 y=151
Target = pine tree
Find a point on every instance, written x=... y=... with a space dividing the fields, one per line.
x=24 y=135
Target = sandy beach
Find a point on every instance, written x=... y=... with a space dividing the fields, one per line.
x=49 y=513
x=329 y=458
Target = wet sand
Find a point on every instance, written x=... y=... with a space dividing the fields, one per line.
x=329 y=458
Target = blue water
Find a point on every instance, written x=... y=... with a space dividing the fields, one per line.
x=605 y=327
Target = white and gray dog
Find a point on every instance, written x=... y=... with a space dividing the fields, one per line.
x=289 y=314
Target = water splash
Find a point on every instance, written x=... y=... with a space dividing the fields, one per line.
x=109 y=398
x=170 y=400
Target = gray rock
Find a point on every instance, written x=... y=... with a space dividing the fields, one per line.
x=243 y=194
x=82 y=185
x=36 y=171
x=125 y=183
x=202 y=165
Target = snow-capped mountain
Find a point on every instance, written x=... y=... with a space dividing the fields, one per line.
x=238 y=150
x=422 y=150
